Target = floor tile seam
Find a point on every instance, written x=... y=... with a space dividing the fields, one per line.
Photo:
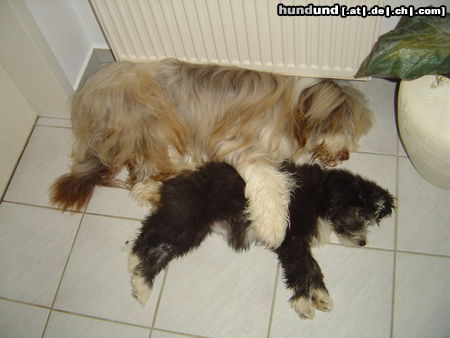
x=274 y=294
x=392 y=250
x=394 y=267
x=89 y=213
x=62 y=274
x=16 y=165
x=422 y=254
x=22 y=302
x=79 y=314
x=49 y=126
x=161 y=291
x=137 y=219
x=54 y=117
x=44 y=329
x=71 y=212
x=26 y=204
x=379 y=154
x=179 y=333
x=103 y=319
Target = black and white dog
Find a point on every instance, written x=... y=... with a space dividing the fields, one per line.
x=211 y=199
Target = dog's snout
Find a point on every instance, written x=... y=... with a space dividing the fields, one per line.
x=362 y=242
x=343 y=155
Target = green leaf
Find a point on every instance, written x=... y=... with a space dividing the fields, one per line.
x=418 y=46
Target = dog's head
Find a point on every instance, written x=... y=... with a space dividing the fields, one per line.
x=355 y=204
x=331 y=120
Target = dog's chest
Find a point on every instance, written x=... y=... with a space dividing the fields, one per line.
x=323 y=236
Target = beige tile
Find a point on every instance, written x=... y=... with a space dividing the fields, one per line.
x=115 y=202
x=33 y=251
x=382 y=170
x=423 y=213
x=72 y=326
x=360 y=284
x=381 y=95
x=45 y=158
x=216 y=292
x=96 y=281
x=21 y=321
x=422 y=298
x=165 y=334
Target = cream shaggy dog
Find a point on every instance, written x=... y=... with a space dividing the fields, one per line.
x=159 y=118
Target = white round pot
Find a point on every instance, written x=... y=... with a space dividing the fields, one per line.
x=424 y=126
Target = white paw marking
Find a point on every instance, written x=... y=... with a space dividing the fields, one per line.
x=141 y=292
x=271 y=236
x=268 y=193
x=140 y=289
x=322 y=300
x=304 y=307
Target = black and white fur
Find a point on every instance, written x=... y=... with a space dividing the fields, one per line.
x=194 y=204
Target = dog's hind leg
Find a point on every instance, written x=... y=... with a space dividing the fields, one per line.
x=302 y=274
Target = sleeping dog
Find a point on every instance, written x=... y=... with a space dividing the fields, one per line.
x=211 y=199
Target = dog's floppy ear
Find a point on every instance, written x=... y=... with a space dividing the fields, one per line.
x=301 y=133
x=302 y=118
x=321 y=107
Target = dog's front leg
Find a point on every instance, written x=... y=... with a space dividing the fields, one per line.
x=268 y=193
x=302 y=274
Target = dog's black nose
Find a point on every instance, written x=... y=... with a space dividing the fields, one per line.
x=362 y=242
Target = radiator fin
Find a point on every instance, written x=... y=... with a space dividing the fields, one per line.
x=247 y=33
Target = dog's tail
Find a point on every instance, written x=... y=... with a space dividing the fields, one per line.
x=73 y=190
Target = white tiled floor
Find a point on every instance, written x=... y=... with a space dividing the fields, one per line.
x=65 y=275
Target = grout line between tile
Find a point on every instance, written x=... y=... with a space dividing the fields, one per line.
x=62 y=274
x=71 y=313
x=155 y=314
x=391 y=250
x=375 y=153
x=52 y=117
x=100 y=318
x=18 y=160
x=72 y=212
x=41 y=206
x=112 y=216
x=394 y=268
x=48 y=126
x=74 y=313
x=277 y=274
x=24 y=303
x=138 y=219
x=179 y=333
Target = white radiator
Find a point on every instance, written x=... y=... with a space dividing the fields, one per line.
x=246 y=33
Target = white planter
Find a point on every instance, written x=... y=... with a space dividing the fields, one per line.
x=424 y=126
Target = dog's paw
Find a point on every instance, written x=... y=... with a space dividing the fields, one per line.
x=140 y=289
x=270 y=235
x=322 y=300
x=304 y=307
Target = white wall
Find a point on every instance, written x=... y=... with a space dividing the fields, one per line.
x=16 y=121
x=90 y=24
x=71 y=31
